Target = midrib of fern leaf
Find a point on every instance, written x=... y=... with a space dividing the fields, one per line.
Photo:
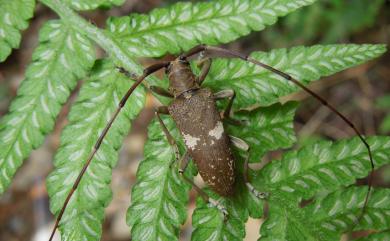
x=184 y=25
x=14 y=16
x=323 y=166
x=255 y=85
x=97 y=101
x=62 y=57
x=159 y=197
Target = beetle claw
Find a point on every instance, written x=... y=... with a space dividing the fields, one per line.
x=260 y=195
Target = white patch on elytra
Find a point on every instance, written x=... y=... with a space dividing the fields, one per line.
x=217 y=131
x=191 y=141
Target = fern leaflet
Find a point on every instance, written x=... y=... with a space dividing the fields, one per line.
x=62 y=57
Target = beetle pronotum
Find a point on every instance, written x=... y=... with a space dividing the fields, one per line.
x=194 y=112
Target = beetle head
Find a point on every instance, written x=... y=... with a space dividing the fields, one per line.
x=181 y=78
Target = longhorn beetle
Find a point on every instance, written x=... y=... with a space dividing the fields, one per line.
x=194 y=111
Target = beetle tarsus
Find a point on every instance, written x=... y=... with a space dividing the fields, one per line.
x=125 y=72
x=254 y=191
x=214 y=203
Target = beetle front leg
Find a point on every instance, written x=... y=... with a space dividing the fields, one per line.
x=161 y=91
x=205 y=65
x=155 y=89
x=183 y=163
x=171 y=140
x=242 y=145
x=227 y=113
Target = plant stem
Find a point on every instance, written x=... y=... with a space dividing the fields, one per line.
x=100 y=37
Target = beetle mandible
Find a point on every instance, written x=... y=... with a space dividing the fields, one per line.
x=194 y=111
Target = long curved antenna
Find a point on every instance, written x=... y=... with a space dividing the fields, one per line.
x=151 y=69
x=229 y=53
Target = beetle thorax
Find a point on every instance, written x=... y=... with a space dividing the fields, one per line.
x=181 y=77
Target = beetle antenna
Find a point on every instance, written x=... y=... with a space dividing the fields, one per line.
x=151 y=69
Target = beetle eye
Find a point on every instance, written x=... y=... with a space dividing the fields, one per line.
x=184 y=61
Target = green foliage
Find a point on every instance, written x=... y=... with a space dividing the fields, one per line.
x=323 y=166
x=63 y=56
x=255 y=85
x=159 y=197
x=14 y=16
x=340 y=210
x=327 y=217
x=313 y=172
x=92 y=4
x=266 y=128
x=209 y=223
x=98 y=99
x=381 y=236
x=321 y=172
x=184 y=25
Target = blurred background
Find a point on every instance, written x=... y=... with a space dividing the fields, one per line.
x=362 y=93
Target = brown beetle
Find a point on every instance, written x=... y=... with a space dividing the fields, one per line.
x=194 y=111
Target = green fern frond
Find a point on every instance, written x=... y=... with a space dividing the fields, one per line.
x=285 y=222
x=326 y=218
x=84 y=5
x=209 y=223
x=265 y=128
x=340 y=211
x=62 y=57
x=313 y=172
x=381 y=236
x=98 y=99
x=184 y=25
x=255 y=85
x=323 y=166
x=159 y=198
x=14 y=16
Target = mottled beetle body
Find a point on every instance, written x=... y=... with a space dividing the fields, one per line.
x=200 y=124
x=195 y=113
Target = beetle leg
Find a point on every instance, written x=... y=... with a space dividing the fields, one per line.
x=156 y=89
x=160 y=91
x=223 y=94
x=242 y=145
x=251 y=188
x=226 y=114
x=239 y=143
x=205 y=64
x=183 y=163
x=126 y=72
x=171 y=140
